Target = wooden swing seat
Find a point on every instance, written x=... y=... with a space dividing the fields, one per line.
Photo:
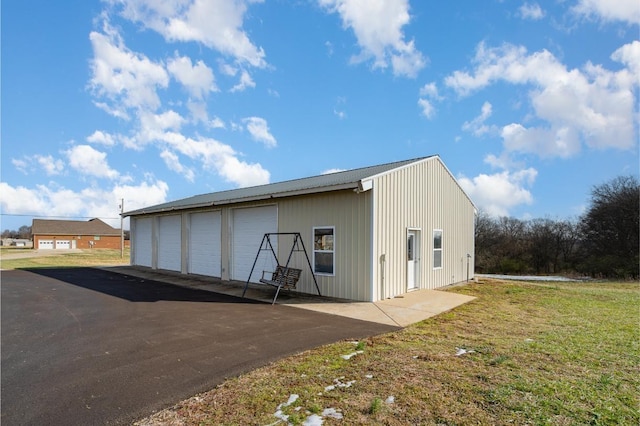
x=282 y=277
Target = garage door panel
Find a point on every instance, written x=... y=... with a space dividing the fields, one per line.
x=142 y=243
x=63 y=244
x=45 y=244
x=205 y=254
x=170 y=242
x=249 y=227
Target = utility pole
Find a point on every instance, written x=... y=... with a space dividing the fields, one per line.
x=121 y=229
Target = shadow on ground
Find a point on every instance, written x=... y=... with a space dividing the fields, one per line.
x=133 y=289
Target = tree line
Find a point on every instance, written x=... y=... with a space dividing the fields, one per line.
x=603 y=242
x=23 y=233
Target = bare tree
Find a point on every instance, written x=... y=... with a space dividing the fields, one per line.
x=610 y=229
x=24 y=232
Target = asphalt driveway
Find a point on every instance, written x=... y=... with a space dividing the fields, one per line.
x=92 y=347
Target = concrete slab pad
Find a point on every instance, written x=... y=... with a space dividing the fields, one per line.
x=400 y=311
x=421 y=304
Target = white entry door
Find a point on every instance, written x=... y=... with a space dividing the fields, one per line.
x=412 y=259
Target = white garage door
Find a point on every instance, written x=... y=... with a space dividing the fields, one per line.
x=63 y=244
x=249 y=226
x=205 y=255
x=45 y=244
x=170 y=242
x=142 y=244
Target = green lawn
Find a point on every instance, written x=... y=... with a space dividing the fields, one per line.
x=95 y=257
x=542 y=354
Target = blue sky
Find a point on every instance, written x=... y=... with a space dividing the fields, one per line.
x=529 y=104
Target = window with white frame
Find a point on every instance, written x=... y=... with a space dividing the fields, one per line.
x=437 y=248
x=323 y=250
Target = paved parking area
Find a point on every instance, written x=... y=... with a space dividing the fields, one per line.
x=89 y=346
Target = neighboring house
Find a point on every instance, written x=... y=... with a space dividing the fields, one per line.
x=371 y=233
x=16 y=242
x=72 y=234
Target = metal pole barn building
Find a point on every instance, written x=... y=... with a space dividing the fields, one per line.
x=371 y=233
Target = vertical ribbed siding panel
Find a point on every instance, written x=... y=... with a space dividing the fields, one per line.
x=421 y=196
x=350 y=214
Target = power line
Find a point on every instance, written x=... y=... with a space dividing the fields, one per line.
x=57 y=217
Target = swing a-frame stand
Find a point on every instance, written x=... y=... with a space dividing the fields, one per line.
x=284 y=276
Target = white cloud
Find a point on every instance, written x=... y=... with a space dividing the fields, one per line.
x=558 y=142
x=609 y=10
x=259 y=131
x=377 y=25
x=173 y=163
x=39 y=163
x=153 y=126
x=477 y=126
x=198 y=79
x=90 y=162
x=330 y=171
x=217 y=123
x=503 y=161
x=102 y=138
x=198 y=111
x=216 y=24
x=629 y=55
x=116 y=111
x=50 y=165
x=227 y=69
x=51 y=200
x=339 y=108
x=127 y=79
x=428 y=110
x=531 y=11
x=245 y=82
x=21 y=165
x=592 y=105
x=430 y=91
x=240 y=172
x=498 y=193
x=219 y=157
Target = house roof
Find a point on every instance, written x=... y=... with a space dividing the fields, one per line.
x=350 y=179
x=72 y=227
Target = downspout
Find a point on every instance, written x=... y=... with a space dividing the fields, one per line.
x=382 y=268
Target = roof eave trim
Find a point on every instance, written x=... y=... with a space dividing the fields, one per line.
x=271 y=196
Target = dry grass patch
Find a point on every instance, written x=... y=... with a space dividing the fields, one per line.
x=84 y=258
x=535 y=354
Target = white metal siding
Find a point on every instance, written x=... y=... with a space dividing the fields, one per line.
x=169 y=242
x=350 y=215
x=423 y=196
x=204 y=243
x=249 y=227
x=142 y=246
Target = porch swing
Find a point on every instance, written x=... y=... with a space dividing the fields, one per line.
x=283 y=276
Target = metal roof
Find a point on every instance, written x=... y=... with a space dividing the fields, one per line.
x=350 y=179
